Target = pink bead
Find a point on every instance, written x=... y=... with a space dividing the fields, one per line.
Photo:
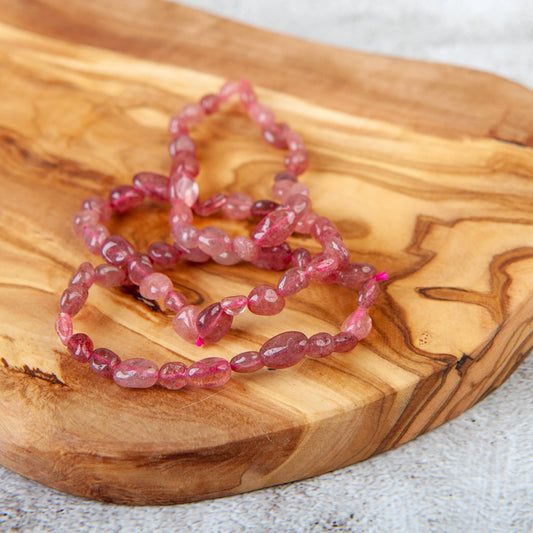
x=180 y=213
x=103 y=362
x=80 y=347
x=261 y=114
x=234 y=305
x=136 y=373
x=181 y=143
x=125 y=197
x=227 y=90
x=191 y=114
x=298 y=203
x=335 y=247
x=83 y=276
x=275 y=135
x=140 y=267
x=210 y=103
x=94 y=238
x=185 y=235
x=118 y=251
x=64 y=327
x=301 y=257
x=284 y=350
x=108 y=276
x=274 y=228
x=214 y=241
x=184 y=323
x=320 y=345
x=368 y=293
x=83 y=219
x=264 y=300
x=292 y=282
x=344 y=342
x=285 y=175
x=245 y=248
x=358 y=323
x=354 y=275
x=152 y=185
x=305 y=223
x=177 y=127
x=322 y=266
x=299 y=188
x=322 y=227
x=155 y=286
x=274 y=257
x=281 y=189
x=297 y=161
x=227 y=258
x=184 y=189
x=246 y=362
x=213 y=323
x=195 y=255
x=174 y=301
x=164 y=255
x=211 y=205
x=294 y=141
x=246 y=93
x=261 y=208
x=73 y=298
x=173 y=375
x=100 y=205
x=209 y=372
x=238 y=206
x=184 y=164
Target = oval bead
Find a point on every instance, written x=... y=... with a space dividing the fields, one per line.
x=245 y=248
x=214 y=241
x=84 y=275
x=174 y=301
x=264 y=300
x=181 y=143
x=83 y=219
x=184 y=189
x=344 y=342
x=118 y=251
x=322 y=266
x=211 y=205
x=64 y=327
x=358 y=323
x=100 y=205
x=94 y=238
x=191 y=114
x=73 y=298
x=320 y=345
x=103 y=362
x=136 y=373
x=164 y=255
x=227 y=258
x=173 y=375
x=301 y=257
x=292 y=282
x=180 y=213
x=80 y=347
x=213 y=323
x=209 y=372
x=125 y=197
x=210 y=103
x=185 y=165
x=354 y=275
x=368 y=294
x=297 y=161
x=195 y=255
x=140 y=267
x=261 y=114
x=155 y=286
x=274 y=228
x=246 y=362
x=184 y=323
x=273 y=257
x=108 y=276
x=261 y=208
x=238 y=206
x=152 y=185
x=234 y=305
x=274 y=134
x=284 y=350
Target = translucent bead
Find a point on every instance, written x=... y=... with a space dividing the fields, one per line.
x=184 y=189
x=140 y=267
x=125 y=197
x=245 y=248
x=80 y=347
x=227 y=90
x=246 y=362
x=184 y=323
x=274 y=228
x=234 y=305
x=274 y=134
x=264 y=300
x=284 y=350
x=185 y=235
x=195 y=255
x=301 y=257
x=136 y=373
x=83 y=219
x=83 y=276
x=118 y=251
x=246 y=93
x=238 y=206
x=155 y=286
x=214 y=241
x=368 y=294
x=281 y=188
x=261 y=208
x=358 y=323
x=103 y=362
x=299 y=203
x=173 y=375
x=294 y=141
x=320 y=345
x=94 y=238
x=152 y=185
x=185 y=165
x=209 y=372
x=191 y=114
x=354 y=275
x=213 y=323
x=108 y=276
x=73 y=298
x=261 y=114
x=227 y=258
x=164 y=255
x=174 y=301
x=322 y=266
x=335 y=247
x=285 y=175
x=210 y=103
x=322 y=227
x=64 y=327
x=181 y=143
x=292 y=282
x=299 y=188
x=211 y=205
x=344 y=342
x=177 y=127
x=297 y=161
x=305 y=223
x=180 y=213
x=274 y=257
x=96 y=203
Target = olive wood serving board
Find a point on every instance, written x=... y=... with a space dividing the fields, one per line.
x=426 y=169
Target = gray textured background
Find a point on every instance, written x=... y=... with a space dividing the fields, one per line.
x=474 y=474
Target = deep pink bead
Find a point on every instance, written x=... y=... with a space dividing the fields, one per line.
x=211 y=205
x=108 y=276
x=264 y=300
x=73 y=298
x=245 y=248
x=184 y=164
x=84 y=219
x=294 y=141
x=292 y=282
x=227 y=258
x=297 y=161
x=214 y=241
x=96 y=203
x=185 y=235
x=185 y=189
x=209 y=372
x=180 y=213
x=368 y=294
x=213 y=323
x=155 y=286
x=284 y=350
x=321 y=266
x=181 y=143
x=173 y=375
x=80 y=347
x=152 y=185
x=174 y=301
x=274 y=228
x=136 y=373
x=195 y=255
x=184 y=323
x=261 y=208
x=210 y=103
x=344 y=342
x=103 y=362
x=83 y=276
x=118 y=251
x=234 y=305
x=353 y=275
x=140 y=267
x=334 y=246
x=299 y=203
x=246 y=362
x=261 y=114
x=274 y=257
x=64 y=327
x=125 y=197
x=227 y=90
x=238 y=206
x=275 y=135
x=301 y=257
x=191 y=114
x=305 y=223
x=358 y=323
x=94 y=238
x=320 y=345
x=164 y=255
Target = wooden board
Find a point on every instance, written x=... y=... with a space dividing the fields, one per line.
x=426 y=169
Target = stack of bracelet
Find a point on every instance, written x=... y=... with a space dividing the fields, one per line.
x=266 y=248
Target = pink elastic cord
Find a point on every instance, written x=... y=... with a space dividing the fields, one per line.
x=382 y=276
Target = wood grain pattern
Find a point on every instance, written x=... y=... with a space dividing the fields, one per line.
x=434 y=197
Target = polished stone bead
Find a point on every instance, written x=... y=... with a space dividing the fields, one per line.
x=125 y=197
x=173 y=375
x=191 y=114
x=108 y=276
x=184 y=165
x=299 y=203
x=195 y=255
x=323 y=227
x=118 y=251
x=174 y=301
x=155 y=286
x=246 y=93
x=368 y=294
x=94 y=238
x=210 y=103
x=80 y=347
x=214 y=241
x=261 y=208
x=281 y=189
x=64 y=327
x=238 y=206
x=275 y=135
x=353 y=275
x=264 y=300
x=292 y=282
x=136 y=373
x=73 y=298
x=177 y=127
x=335 y=246
x=164 y=255
x=320 y=345
x=181 y=143
x=301 y=257
x=211 y=205
x=245 y=248
x=358 y=323
x=274 y=257
x=322 y=266
x=274 y=228
x=84 y=219
x=344 y=342
x=185 y=235
x=152 y=185
x=184 y=323
x=96 y=203
x=209 y=372
x=180 y=213
x=305 y=223
x=246 y=362
x=234 y=305
x=297 y=161
x=83 y=276
x=285 y=175
x=294 y=141
x=103 y=362
x=213 y=323
x=284 y=350
x=227 y=258
x=227 y=90
x=140 y=267
x=184 y=189
x=261 y=114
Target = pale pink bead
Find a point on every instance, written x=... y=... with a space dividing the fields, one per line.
x=73 y=298
x=83 y=219
x=246 y=93
x=284 y=350
x=297 y=161
x=274 y=228
x=184 y=189
x=320 y=345
x=180 y=213
x=301 y=257
x=305 y=223
x=238 y=206
x=228 y=258
x=245 y=248
x=292 y=282
x=173 y=375
x=368 y=293
x=185 y=235
x=210 y=103
x=100 y=205
x=136 y=373
x=211 y=205
x=227 y=90
x=274 y=257
x=275 y=135
x=282 y=188
x=174 y=301
x=94 y=238
x=358 y=323
x=83 y=276
x=334 y=246
x=261 y=208
x=125 y=197
x=353 y=275
x=234 y=305
x=80 y=347
x=164 y=255
x=261 y=114
x=322 y=266
x=344 y=342
x=209 y=372
x=298 y=203
x=108 y=276
x=64 y=327
x=152 y=185
x=299 y=188
x=184 y=164
x=323 y=229
x=177 y=127
x=140 y=267
x=118 y=251
x=191 y=114
x=195 y=255
x=155 y=286
x=264 y=300
x=213 y=323
x=103 y=362
x=214 y=241
x=184 y=323
x=181 y=143
x=294 y=141
x=246 y=362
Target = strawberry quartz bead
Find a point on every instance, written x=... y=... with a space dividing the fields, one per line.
x=275 y=135
x=210 y=103
x=322 y=227
x=284 y=350
x=140 y=267
x=83 y=276
x=246 y=362
x=118 y=251
x=354 y=275
x=227 y=90
x=152 y=185
x=80 y=347
x=177 y=127
x=184 y=323
x=136 y=373
x=73 y=298
x=164 y=255
x=103 y=362
x=261 y=208
x=281 y=188
x=195 y=255
x=297 y=161
x=64 y=327
x=264 y=300
x=246 y=93
x=214 y=241
x=155 y=286
x=191 y=114
x=294 y=141
x=227 y=258
x=83 y=219
x=245 y=248
x=181 y=143
x=238 y=206
x=209 y=372
x=344 y=342
x=174 y=301
x=180 y=213
x=368 y=293
x=320 y=345
x=322 y=266
x=213 y=323
x=274 y=228
x=211 y=205
x=301 y=257
x=185 y=165
x=173 y=375
x=299 y=203
x=100 y=205
x=274 y=257
x=94 y=238
x=358 y=323
x=125 y=197
x=261 y=114
x=185 y=189
x=108 y=276
x=234 y=305
x=292 y=282
x=305 y=223
x=335 y=247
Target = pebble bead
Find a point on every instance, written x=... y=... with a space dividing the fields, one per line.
x=173 y=375
x=73 y=298
x=320 y=345
x=118 y=251
x=125 y=197
x=80 y=347
x=284 y=350
x=108 y=276
x=208 y=373
x=246 y=362
x=103 y=362
x=265 y=300
x=63 y=327
x=213 y=323
x=155 y=286
x=152 y=185
x=184 y=323
x=136 y=373
x=94 y=237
